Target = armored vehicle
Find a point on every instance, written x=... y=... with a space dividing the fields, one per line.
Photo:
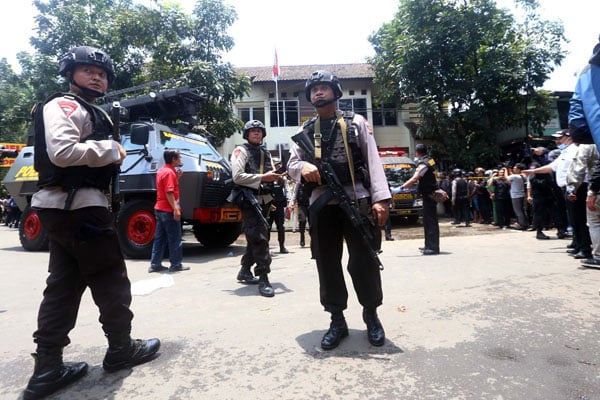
x=150 y=123
x=398 y=169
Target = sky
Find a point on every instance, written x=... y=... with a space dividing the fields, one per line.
x=307 y=32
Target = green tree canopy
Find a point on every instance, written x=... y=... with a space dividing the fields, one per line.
x=148 y=42
x=472 y=69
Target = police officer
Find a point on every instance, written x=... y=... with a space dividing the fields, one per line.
x=76 y=160
x=252 y=167
x=342 y=137
x=460 y=198
x=303 y=200
x=425 y=176
x=279 y=203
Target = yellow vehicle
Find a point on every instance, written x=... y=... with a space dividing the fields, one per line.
x=398 y=169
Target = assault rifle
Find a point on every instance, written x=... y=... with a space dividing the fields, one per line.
x=239 y=194
x=115 y=195
x=336 y=189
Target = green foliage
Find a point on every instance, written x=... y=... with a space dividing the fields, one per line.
x=471 y=67
x=15 y=105
x=147 y=42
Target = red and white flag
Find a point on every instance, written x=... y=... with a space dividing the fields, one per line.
x=275 y=67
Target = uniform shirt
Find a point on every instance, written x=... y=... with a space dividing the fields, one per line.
x=379 y=189
x=67 y=123
x=562 y=163
x=166 y=182
x=581 y=167
x=239 y=158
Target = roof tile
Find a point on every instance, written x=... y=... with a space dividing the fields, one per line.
x=302 y=72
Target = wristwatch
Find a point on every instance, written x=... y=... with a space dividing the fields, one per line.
x=591 y=193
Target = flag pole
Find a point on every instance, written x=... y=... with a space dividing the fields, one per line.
x=278 y=126
x=276 y=79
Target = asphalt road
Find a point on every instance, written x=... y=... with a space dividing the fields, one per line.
x=498 y=315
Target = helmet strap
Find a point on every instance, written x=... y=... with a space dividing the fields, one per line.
x=86 y=91
x=323 y=103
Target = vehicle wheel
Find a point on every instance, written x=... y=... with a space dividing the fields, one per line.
x=32 y=234
x=136 y=225
x=217 y=235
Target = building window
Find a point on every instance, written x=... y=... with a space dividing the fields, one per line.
x=288 y=113
x=385 y=115
x=249 y=113
x=359 y=106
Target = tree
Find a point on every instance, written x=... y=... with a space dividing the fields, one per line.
x=15 y=105
x=153 y=42
x=469 y=65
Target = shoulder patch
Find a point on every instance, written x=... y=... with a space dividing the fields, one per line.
x=68 y=106
x=431 y=162
x=236 y=152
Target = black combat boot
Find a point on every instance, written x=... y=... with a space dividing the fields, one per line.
x=281 y=240
x=302 y=228
x=264 y=286
x=246 y=276
x=338 y=329
x=541 y=236
x=375 y=332
x=51 y=374
x=124 y=352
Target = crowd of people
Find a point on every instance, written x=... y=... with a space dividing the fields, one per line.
x=549 y=193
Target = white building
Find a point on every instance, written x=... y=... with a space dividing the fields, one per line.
x=286 y=99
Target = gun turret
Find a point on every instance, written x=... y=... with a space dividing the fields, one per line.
x=167 y=106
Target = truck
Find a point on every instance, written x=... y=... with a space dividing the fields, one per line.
x=150 y=123
x=398 y=169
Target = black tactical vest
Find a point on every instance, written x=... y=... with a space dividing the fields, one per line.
x=428 y=182
x=254 y=155
x=333 y=150
x=77 y=176
x=462 y=189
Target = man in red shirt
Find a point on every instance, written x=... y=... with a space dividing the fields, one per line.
x=168 y=215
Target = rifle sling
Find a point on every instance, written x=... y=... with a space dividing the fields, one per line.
x=320 y=202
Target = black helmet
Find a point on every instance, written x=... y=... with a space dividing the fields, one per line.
x=323 y=77
x=457 y=172
x=254 y=124
x=87 y=55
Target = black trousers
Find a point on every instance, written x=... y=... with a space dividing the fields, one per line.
x=84 y=252
x=257 y=240
x=577 y=213
x=461 y=211
x=328 y=231
x=503 y=211
x=278 y=216
x=430 y=224
x=545 y=211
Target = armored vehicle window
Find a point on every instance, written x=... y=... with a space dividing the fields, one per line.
x=189 y=146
